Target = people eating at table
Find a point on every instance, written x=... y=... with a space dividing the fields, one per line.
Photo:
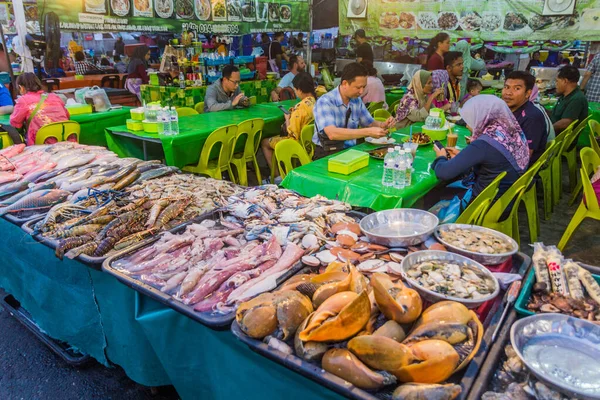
x=470 y=63
x=572 y=104
x=300 y=115
x=375 y=91
x=498 y=144
x=296 y=64
x=136 y=70
x=438 y=46
x=449 y=79
x=225 y=94
x=341 y=117
x=473 y=88
x=416 y=103
x=516 y=93
x=83 y=67
x=35 y=108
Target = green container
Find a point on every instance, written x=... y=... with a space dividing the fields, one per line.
x=525 y=295
x=153 y=78
x=348 y=162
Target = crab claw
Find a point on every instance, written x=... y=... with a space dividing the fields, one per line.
x=340 y=317
x=347 y=366
x=381 y=353
x=439 y=362
x=396 y=301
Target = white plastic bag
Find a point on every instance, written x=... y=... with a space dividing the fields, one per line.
x=98 y=98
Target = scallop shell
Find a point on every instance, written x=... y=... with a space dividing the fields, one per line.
x=311 y=260
x=326 y=257
x=310 y=241
x=370 y=265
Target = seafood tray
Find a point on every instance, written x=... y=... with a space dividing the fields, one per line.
x=466 y=378
x=19 y=221
x=217 y=322
x=62 y=349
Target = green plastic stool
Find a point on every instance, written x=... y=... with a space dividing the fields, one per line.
x=250 y=132
x=222 y=137
x=529 y=197
x=590 y=161
x=474 y=212
x=569 y=152
x=375 y=106
x=285 y=152
x=394 y=106
x=510 y=225
x=186 y=112
x=381 y=113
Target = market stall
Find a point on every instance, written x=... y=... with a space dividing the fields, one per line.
x=184 y=148
x=363 y=188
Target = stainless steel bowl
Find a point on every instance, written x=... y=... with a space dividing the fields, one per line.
x=561 y=351
x=437 y=255
x=399 y=227
x=487 y=259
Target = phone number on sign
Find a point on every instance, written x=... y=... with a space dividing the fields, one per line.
x=210 y=28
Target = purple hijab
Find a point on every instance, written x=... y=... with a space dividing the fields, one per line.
x=491 y=120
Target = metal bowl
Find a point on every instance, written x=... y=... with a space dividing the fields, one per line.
x=399 y=227
x=561 y=351
x=487 y=259
x=437 y=255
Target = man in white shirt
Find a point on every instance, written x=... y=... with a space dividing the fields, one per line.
x=296 y=65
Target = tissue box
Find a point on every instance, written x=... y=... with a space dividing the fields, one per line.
x=348 y=162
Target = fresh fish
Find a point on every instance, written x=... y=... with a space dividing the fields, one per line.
x=6 y=177
x=41 y=199
x=32 y=175
x=12 y=151
x=10 y=189
x=75 y=161
x=34 y=188
x=156 y=173
x=49 y=175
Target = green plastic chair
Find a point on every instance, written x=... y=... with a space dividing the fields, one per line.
x=474 y=212
x=306 y=139
x=285 y=152
x=250 y=132
x=557 y=164
x=394 y=106
x=546 y=176
x=186 y=111
x=569 y=152
x=510 y=225
x=529 y=197
x=222 y=137
x=381 y=113
x=378 y=105
x=61 y=131
x=594 y=131
x=379 y=119
x=199 y=107
x=590 y=161
x=252 y=100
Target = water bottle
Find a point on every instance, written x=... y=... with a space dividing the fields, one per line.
x=160 y=120
x=181 y=80
x=409 y=162
x=502 y=76
x=400 y=169
x=174 y=122
x=388 y=169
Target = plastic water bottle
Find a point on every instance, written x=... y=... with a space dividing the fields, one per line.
x=174 y=122
x=160 y=120
x=181 y=80
x=502 y=76
x=400 y=169
x=388 y=169
x=408 y=158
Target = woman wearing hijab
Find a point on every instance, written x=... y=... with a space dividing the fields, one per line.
x=137 y=75
x=497 y=144
x=415 y=105
x=469 y=63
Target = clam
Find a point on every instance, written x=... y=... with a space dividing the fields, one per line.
x=381 y=353
x=346 y=365
x=340 y=317
x=396 y=301
x=310 y=351
x=438 y=361
x=346 y=226
x=394 y=268
x=311 y=261
x=345 y=254
x=310 y=241
x=345 y=240
x=326 y=256
x=397 y=257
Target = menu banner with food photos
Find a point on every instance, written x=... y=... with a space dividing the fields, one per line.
x=224 y=17
x=490 y=20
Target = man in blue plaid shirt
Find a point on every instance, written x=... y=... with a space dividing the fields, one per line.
x=340 y=115
x=591 y=80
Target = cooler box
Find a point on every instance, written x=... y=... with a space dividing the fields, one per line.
x=348 y=162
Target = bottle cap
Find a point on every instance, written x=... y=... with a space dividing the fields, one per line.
x=390 y=150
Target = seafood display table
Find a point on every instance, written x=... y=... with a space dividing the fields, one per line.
x=363 y=188
x=184 y=149
x=154 y=344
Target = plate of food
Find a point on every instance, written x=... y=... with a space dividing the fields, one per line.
x=184 y=9
x=380 y=152
x=274 y=12
x=381 y=140
x=590 y=19
x=141 y=7
x=453 y=118
x=515 y=21
x=285 y=13
x=203 y=9
x=234 y=10
x=447 y=21
x=420 y=138
x=407 y=20
x=120 y=7
x=164 y=8
x=470 y=21
x=539 y=22
x=389 y=20
x=490 y=21
x=427 y=21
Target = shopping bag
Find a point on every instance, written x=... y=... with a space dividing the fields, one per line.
x=448 y=211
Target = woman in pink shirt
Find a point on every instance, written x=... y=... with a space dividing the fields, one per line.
x=374 y=92
x=52 y=108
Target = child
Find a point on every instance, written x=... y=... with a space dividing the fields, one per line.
x=474 y=87
x=120 y=65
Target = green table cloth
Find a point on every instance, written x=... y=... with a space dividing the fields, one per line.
x=363 y=188
x=190 y=96
x=184 y=149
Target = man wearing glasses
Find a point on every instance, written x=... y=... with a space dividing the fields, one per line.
x=225 y=93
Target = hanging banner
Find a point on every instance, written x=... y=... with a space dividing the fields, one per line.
x=493 y=20
x=224 y=17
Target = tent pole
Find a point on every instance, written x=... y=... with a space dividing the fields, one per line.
x=309 y=41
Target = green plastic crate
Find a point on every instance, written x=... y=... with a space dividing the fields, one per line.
x=525 y=295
